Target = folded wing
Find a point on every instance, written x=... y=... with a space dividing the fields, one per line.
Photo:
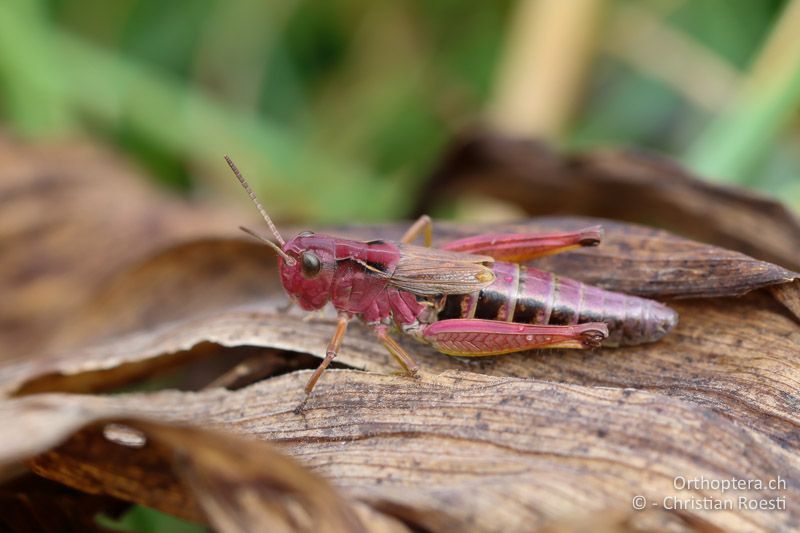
x=429 y=271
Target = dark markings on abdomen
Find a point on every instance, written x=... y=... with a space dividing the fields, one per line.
x=455 y=306
x=489 y=303
x=567 y=301
x=534 y=297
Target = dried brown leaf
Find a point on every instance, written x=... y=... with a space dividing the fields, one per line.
x=32 y=503
x=233 y=483
x=789 y=295
x=459 y=450
x=71 y=216
x=180 y=282
x=624 y=185
x=646 y=520
x=747 y=372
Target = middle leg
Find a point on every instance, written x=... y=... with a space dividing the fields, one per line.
x=401 y=356
x=423 y=224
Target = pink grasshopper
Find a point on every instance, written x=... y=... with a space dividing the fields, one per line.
x=469 y=298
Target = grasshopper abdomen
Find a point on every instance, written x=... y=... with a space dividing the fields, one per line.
x=526 y=295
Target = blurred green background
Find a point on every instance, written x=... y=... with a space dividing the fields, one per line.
x=337 y=111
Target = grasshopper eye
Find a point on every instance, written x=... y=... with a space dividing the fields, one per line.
x=310 y=264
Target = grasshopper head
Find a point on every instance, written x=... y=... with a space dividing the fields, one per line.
x=308 y=279
x=307 y=262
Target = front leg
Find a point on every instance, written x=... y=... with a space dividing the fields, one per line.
x=330 y=354
x=476 y=337
x=516 y=247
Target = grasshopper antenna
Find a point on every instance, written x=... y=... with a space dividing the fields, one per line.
x=279 y=249
x=286 y=257
x=255 y=201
